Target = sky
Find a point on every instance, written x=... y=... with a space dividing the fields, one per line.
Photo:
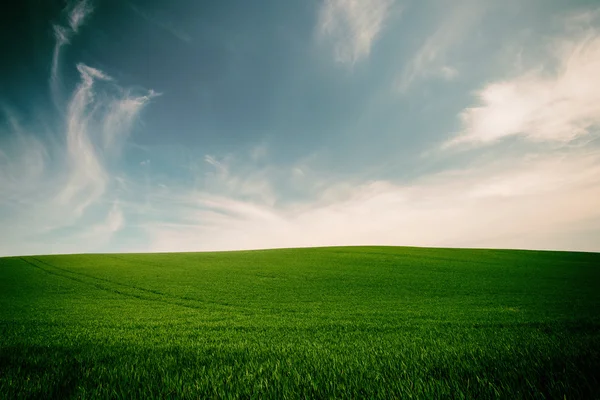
x=152 y=126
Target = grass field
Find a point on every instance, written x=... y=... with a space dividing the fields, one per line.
x=354 y=322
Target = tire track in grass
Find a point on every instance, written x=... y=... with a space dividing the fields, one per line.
x=144 y=289
x=154 y=292
x=151 y=291
x=153 y=264
x=109 y=289
x=97 y=286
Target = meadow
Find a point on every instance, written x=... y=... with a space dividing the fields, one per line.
x=337 y=322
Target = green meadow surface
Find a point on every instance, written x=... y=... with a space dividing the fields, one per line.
x=338 y=322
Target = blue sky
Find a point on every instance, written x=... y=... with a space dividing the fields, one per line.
x=192 y=125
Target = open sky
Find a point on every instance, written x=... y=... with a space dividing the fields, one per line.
x=213 y=125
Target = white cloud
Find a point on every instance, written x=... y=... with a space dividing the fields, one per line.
x=253 y=184
x=352 y=26
x=430 y=60
x=77 y=14
x=23 y=161
x=87 y=113
x=518 y=203
x=163 y=22
x=558 y=101
x=121 y=115
x=97 y=234
x=61 y=36
x=259 y=152
x=298 y=173
x=448 y=73
x=87 y=177
x=49 y=185
x=114 y=221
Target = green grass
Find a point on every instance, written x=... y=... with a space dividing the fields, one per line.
x=354 y=322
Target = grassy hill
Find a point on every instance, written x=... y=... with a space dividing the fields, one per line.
x=355 y=322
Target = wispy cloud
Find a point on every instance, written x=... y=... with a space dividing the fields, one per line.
x=163 y=22
x=61 y=37
x=122 y=113
x=87 y=176
x=77 y=13
x=63 y=190
x=114 y=222
x=352 y=26
x=250 y=184
x=496 y=203
x=88 y=113
x=50 y=184
x=431 y=59
x=557 y=101
x=23 y=160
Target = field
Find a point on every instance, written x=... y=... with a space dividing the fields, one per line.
x=339 y=322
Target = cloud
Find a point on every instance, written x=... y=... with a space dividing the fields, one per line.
x=352 y=26
x=531 y=202
x=259 y=152
x=77 y=13
x=114 y=222
x=110 y=112
x=59 y=190
x=96 y=234
x=162 y=22
x=23 y=160
x=56 y=191
x=61 y=36
x=87 y=178
x=87 y=113
x=51 y=185
x=251 y=184
x=430 y=60
x=556 y=102
x=121 y=115
x=448 y=73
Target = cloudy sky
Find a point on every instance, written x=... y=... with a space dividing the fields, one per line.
x=196 y=125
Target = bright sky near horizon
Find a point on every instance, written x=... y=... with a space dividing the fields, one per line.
x=143 y=126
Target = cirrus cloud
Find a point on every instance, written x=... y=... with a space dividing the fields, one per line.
x=352 y=26
x=58 y=178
